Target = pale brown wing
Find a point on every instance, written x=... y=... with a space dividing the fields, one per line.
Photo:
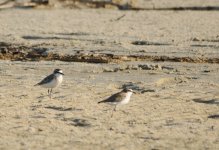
x=46 y=80
x=114 y=98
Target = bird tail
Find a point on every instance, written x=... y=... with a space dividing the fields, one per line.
x=37 y=84
x=101 y=101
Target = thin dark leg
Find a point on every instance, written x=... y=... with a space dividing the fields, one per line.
x=50 y=95
x=115 y=108
x=113 y=111
x=48 y=91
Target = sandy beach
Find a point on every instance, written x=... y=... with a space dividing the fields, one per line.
x=170 y=58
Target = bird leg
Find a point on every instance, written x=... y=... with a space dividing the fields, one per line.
x=50 y=93
x=113 y=111
x=115 y=108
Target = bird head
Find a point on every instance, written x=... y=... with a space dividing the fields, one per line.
x=59 y=71
x=126 y=90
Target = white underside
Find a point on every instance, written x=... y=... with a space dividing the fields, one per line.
x=54 y=83
x=124 y=101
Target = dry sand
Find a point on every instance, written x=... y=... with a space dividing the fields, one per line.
x=176 y=105
x=166 y=113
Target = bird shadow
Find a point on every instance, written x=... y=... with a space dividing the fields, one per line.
x=29 y=37
x=199 y=45
x=210 y=102
x=38 y=117
x=149 y=138
x=34 y=107
x=54 y=96
x=77 y=122
x=59 y=97
x=74 y=34
x=216 y=116
x=59 y=108
x=42 y=96
x=150 y=43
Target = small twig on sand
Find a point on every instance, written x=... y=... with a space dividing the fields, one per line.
x=117 y=19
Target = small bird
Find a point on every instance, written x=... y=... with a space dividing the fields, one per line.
x=120 y=98
x=51 y=81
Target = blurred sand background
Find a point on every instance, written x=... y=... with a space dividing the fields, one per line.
x=166 y=51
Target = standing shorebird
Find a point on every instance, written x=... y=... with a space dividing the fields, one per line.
x=120 y=98
x=52 y=81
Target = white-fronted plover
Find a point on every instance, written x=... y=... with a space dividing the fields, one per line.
x=52 y=81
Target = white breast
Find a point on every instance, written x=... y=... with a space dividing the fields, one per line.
x=55 y=82
x=126 y=99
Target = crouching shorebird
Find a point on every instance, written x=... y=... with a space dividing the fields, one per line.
x=52 y=81
x=120 y=98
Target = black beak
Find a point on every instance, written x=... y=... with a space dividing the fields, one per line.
x=61 y=73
